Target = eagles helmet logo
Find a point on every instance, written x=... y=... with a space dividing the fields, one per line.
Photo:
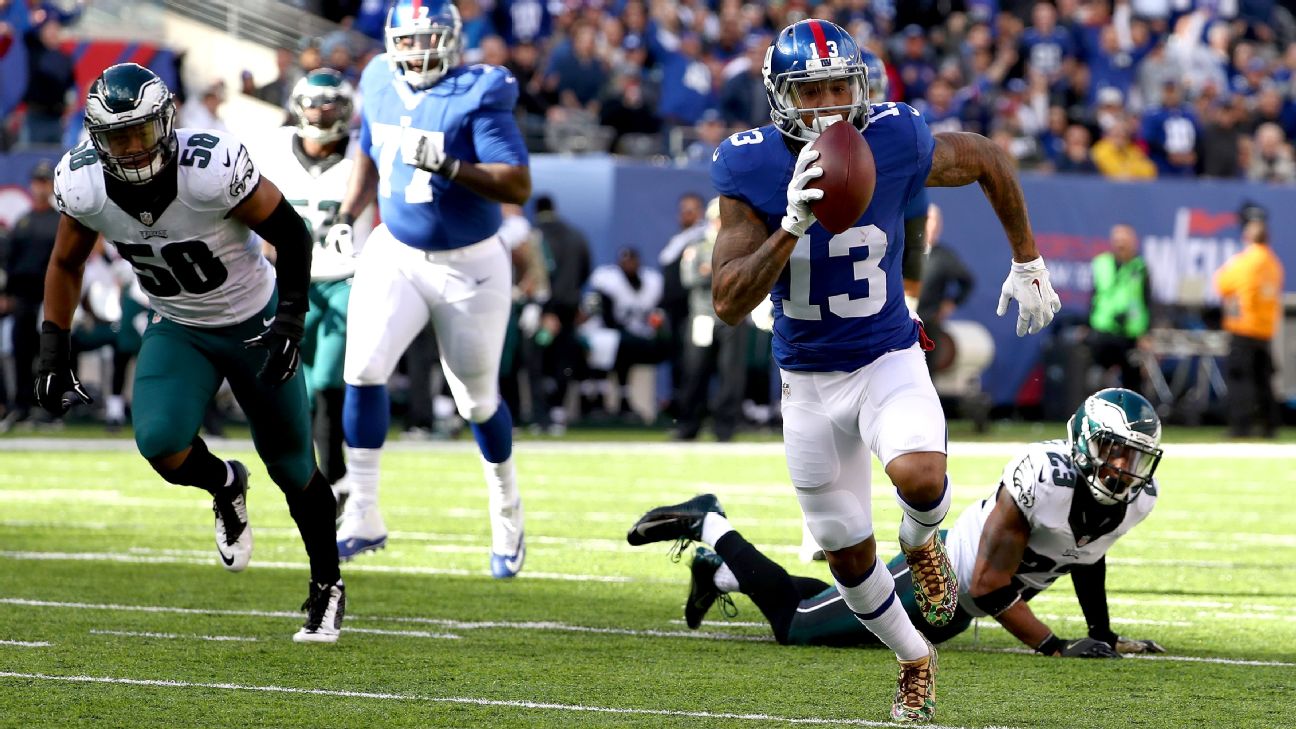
x=130 y=117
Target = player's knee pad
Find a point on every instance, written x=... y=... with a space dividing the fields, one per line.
x=836 y=517
x=477 y=411
x=155 y=439
x=291 y=472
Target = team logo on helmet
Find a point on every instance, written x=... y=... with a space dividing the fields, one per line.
x=1115 y=439
x=323 y=102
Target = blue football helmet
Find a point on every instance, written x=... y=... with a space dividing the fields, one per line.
x=878 y=83
x=811 y=51
x=424 y=40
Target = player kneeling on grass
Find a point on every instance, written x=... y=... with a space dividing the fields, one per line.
x=178 y=206
x=1059 y=507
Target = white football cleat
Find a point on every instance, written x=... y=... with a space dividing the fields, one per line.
x=324 y=608
x=508 y=543
x=233 y=533
x=362 y=530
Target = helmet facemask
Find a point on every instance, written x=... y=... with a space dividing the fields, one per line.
x=424 y=49
x=136 y=149
x=1115 y=457
x=788 y=109
x=323 y=113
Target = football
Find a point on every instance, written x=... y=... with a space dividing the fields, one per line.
x=848 y=179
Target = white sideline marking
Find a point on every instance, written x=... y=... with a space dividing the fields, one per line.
x=460 y=700
x=176 y=636
x=27 y=643
x=404 y=633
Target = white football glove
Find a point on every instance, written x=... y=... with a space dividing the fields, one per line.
x=426 y=151
x=1037 y=302
x=799 y=218
x=340 y=239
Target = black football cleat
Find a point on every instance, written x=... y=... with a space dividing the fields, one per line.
x=681 y=522
x=702 y=589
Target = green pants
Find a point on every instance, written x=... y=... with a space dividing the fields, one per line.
x=323 y=348
x=179 y=370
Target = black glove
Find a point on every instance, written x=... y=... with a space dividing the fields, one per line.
x=1087 y=648
x=54 y=375
x=280 y=341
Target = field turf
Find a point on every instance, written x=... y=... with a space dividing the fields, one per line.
x=114 y=611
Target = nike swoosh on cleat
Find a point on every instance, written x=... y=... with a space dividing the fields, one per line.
x=645 y=526
x=267 y=322
x=229 y=561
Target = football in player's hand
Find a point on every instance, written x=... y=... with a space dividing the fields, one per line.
x=848 y=179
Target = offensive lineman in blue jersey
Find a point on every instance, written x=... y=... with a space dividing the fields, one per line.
x=441 y=152
x=854 y=378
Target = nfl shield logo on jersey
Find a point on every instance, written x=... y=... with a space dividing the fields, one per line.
x=146 y=218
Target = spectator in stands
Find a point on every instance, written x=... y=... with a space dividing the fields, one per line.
x=476 y=26
x=279 y=90
x=1120 y=310
x=1075 y=157
x=568 y=255
x=1172 y=134
x=711 y=347
x=1250 y=286
x=524 y=21
x=742 y=95
x=939 y=109
x=576 y=75
x=31 y=243
x=1118 y=158
x=946 y=285
x=687 y=89
x=50 y=83
x=205 y=114
x=368 y=17
x=914 y=66
x=630 y=113
x=1222 y=139
x=708 y=133
x=1271 y=156
x=1045 y=46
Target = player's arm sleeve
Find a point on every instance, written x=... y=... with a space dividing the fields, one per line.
x=1090 y=582
x=915 y=236
x=284 y=229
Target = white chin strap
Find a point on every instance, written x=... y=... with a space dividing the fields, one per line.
x=821 y=123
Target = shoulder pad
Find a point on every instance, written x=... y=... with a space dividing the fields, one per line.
x=499 y=88
x=78 y=182
x=378 y=70
x=1027 y=475
x=604 y=278
x=740 y=155
x=216 y=171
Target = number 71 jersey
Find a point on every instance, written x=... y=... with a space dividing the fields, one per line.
x=839 y=303
x=198 y=265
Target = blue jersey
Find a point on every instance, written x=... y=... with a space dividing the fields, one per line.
x=472 y=107
x=839 y=303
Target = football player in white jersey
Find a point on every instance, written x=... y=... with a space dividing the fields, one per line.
x=311 y=165
x=1058 y=508
x=179 y=205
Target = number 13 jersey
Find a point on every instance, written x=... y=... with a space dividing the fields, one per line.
x=199 y=266
x=839 y=303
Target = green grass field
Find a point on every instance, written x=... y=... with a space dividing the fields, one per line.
x=114 y=611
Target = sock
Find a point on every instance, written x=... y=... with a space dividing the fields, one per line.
x=494 y=435
x=366 y=415
x=314 y=510
x=505 y=506
x=115 y=409
x=200 y=469
x=328 y=432
x=725 y=580
x=921 y=521
x=761 y=579
x=873 y=600
x=714 y=526
x=363 y=474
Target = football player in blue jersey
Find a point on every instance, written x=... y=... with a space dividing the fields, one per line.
x=440 y=151
x=854 y=377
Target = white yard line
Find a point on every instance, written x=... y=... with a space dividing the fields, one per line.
x=956 y=449
x=1163 y=657
x=177 y=636
x=416 y=698
x=27 y=643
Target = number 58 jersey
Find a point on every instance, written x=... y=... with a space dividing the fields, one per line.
x=839 y=303
x=198 y=265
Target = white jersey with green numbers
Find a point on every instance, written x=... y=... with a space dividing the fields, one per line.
x=315 y=189
x=198 y=265
x=1042 y=481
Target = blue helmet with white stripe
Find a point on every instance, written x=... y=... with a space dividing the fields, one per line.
x=424 y=40
x=809 y=52
x=878 y=83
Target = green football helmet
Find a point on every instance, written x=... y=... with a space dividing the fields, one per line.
x=130 y=117
x=323 y=102
x=1115 y=439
